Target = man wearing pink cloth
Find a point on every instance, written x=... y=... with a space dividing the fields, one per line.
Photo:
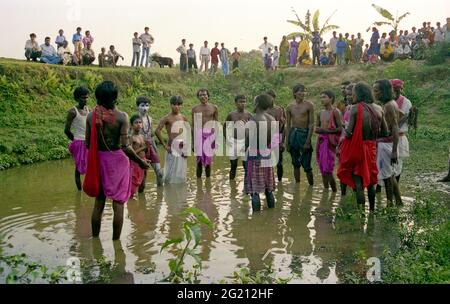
x=204 y=138
x=75 y=130
x=114 y=154
x=329 y=127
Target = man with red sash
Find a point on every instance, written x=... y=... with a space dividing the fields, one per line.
x=358 y=152
x=109 y=128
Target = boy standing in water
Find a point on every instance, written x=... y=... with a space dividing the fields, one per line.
x=235 y=139
x=139 y=147
x=278 y=113
x=328 y=126
x=114 y=155
x=143 y=104
x=204 y=137
x=259 y=177
x=75 y=130
x=177 y=129
x=300 y=123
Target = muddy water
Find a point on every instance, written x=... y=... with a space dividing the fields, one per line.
x=304 y=237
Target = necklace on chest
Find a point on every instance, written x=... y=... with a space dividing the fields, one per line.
x=148 y=129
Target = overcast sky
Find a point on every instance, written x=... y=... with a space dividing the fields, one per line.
x=236 y=22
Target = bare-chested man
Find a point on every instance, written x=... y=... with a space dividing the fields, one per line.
x=387 y=152
x=236 y=140
x=358 y=154
x=300 y=125
x=204 y=137
x=259 y=177
x=114 y=156
x=75 y=130
x=278 y=113
x=176 y=159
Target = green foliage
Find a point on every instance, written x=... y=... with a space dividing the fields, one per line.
x=22 y=271
x=184 y=246
x=438 y=53
x=307 y=28
x=393 y=22
x=265 y=276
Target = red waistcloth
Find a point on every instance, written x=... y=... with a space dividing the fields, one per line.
x=358 y=156
x=91 y=183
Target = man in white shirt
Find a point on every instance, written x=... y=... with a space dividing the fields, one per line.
x=403 y=51
x=32 y=49
x=205 y=56
x=49 y=54
x=439 y=34
x=147 y=41
x=183 y=55
x=405 y=106
x=333 y=42
x=265 y=48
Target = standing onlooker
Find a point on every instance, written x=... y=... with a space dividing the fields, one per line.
x=265 y=48
x=77 y=44
x=268 y=60
x=438 y=33
x=316 y=40
x=276 y=58
x=293 y=52
x=49 y=54
x=183 y=55
x=136 y=49
x=87 y=38
x=147 y=41
x=60 y=39
x=205 y=56
x=224 y=57
x=32 y=49
x=374 y=48
x=284 y=51
x=359 y=42
x=192 y=59
x=341 y=46
x=215 y=52
x=236 y=56
x=102 y=58
x=333 y=42
x=446 y=30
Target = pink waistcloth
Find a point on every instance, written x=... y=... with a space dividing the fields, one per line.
x=205 y=144
x=115 y=174
x=137 y=176
x=78 y=150
x=324 y=155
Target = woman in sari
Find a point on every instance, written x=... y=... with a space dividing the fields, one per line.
x=284 y=50
x=293 y=52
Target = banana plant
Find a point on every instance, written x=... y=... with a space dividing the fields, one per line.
x=311 y=25
x=392 y=22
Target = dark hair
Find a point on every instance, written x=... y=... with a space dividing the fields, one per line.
x=385 y=87
x=191 y=44
x=32 y=35
x=330 y=94
x=265 y=38
x=80 y=91
x=146 y=28
x=142 y=99
x=239 y=97
x=271 y=93
x=136 y=33
x=263 y=101
x=88 y=31
x=106 y=94
x=78 y=28
x=47 y=38
x=298 y=87
x=346 y=83
x=202 y=90
x=176 y=100
x=363 y=92
x=111 y=46
x=134 y=117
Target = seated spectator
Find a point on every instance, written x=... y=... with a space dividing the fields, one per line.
x=324 y=60
x=87 y=39
x=32 y=49
x=102 y=57
x=403 y=51
x=49 y=54
x=65 y=54
x=387 y=52
x=113 y=56
x=60 y=39
x=87 y=55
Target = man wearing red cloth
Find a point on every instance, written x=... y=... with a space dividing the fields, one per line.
x=357 y=162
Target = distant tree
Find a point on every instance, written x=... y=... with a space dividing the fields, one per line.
x=393 y=22
x=307 y=28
